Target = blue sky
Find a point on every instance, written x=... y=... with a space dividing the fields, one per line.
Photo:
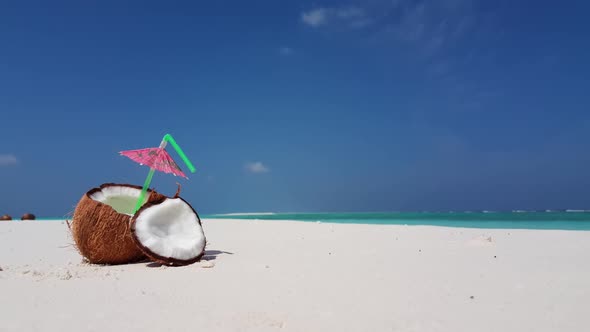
x=368 y=105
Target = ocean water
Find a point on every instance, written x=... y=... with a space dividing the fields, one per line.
x=563 y=220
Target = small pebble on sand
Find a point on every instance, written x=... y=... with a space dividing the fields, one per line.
x=207 y=264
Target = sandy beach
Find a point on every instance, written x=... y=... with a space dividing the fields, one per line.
x=296 y=276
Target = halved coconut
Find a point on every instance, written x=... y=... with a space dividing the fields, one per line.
x=101 y=224
x=169 y=231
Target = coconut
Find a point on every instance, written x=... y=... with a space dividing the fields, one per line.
x=101 y=224
x=169 y=231
x=5 y=217
x=28 y=216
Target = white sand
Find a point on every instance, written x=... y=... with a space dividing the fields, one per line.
x=292 y=276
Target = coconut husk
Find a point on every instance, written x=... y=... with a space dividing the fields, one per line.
x=28 y=216
x=102 y=235
x=5 y=217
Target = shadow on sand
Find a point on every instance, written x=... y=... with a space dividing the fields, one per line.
x=209 y=256
x=212 y=254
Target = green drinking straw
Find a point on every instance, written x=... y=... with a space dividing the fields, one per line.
x=167 y=139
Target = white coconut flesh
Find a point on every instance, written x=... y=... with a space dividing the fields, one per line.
x=121 y=198
x=170 y=229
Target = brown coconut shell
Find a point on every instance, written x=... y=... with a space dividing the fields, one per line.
x=5 y=217
x=103 y=235
x=153 y=256
x=28 y=216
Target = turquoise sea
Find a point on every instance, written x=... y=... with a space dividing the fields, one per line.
x=560 y=220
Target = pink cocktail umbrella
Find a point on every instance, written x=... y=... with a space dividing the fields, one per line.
x=158 y=160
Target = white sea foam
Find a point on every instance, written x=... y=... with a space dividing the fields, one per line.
x=247 y=214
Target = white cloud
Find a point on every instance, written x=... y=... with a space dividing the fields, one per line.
x=315 y=17
x=257 y=167
x=353 y=17
x=433 y=31
x=427 y=26
x=285 y=51
x=7 y=160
